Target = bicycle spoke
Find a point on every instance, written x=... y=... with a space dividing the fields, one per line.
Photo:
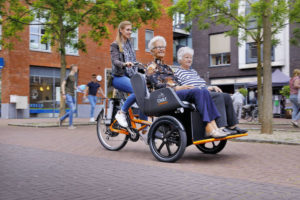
x=213 y=143
x=161 y=146
x=168 y=148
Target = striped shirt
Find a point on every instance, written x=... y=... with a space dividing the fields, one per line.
x=189 y=77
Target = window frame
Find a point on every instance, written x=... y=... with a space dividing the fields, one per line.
x=221 y=54
x=136 y=39
x=222 y=59
x=68 y=47
x=146 y=43
x=250 y=60
x=39 y=35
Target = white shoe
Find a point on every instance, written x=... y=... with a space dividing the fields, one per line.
x=92 y=119
x=71 y=127
x=121 y=118
x=216 y=133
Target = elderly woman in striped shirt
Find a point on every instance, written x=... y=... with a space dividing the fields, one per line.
x=186 y=76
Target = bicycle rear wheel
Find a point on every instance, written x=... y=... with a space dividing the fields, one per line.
x=110 y=140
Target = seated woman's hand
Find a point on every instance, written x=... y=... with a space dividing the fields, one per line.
x=214 y=88
x=184 y=87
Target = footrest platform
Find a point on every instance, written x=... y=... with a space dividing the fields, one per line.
x=218 y=139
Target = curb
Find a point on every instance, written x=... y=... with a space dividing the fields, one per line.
x=48 y=125
x=265 y=141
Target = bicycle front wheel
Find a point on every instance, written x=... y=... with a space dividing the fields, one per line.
x=110 y=140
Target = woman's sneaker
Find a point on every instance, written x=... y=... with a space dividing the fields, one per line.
x=295 y=124
x=216 y=133
x=92 y=119
x=121 y=118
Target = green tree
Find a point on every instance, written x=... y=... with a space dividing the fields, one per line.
x=285 y=91
x=267 y=125
x=245 y=19
x=294 y=17
x=243 y=91
x=14 y=17
x=61 y=19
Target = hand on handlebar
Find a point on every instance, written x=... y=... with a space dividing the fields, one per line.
x=128 y=64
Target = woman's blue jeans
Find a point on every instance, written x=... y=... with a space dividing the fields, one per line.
x=93 y=101
x=296 y=107
x=123 y=84
x=70 y=100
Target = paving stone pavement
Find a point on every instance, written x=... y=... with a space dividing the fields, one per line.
x=57 y=163
x=30 y=173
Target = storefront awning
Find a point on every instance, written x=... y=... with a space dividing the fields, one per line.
x=278 y=79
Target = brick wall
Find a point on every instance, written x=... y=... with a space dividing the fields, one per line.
x=201 y=55
x=15 y=75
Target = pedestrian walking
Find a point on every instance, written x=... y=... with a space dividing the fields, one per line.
x=252 y=98
x=238 y=100
x=68 y=88
x=91 y=92
x=294 y=93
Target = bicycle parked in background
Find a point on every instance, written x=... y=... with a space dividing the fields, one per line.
x=250 y=112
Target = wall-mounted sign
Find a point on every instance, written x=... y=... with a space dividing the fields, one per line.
x=1 y=63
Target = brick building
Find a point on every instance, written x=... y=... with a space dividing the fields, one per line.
x=30 y=78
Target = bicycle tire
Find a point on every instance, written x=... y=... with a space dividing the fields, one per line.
x=109 y=140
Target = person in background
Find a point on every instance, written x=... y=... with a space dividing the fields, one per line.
x=68 y=88
x=252 y=98
x=123 y=58
x=186 y=76
x=160 y=75
x=91 y=92
x=294 y=90
x=238 y=101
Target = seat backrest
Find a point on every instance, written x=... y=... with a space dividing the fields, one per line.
x=158 y=102
x=140 y=89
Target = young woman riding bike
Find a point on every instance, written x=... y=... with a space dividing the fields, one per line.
x=123 y=58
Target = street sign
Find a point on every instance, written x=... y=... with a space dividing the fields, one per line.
x=1 y=63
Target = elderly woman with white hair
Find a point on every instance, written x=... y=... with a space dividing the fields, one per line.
x=160 y=75
x=186 y=76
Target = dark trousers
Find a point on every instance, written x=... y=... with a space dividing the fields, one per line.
x=202 y=100
x=224 y=105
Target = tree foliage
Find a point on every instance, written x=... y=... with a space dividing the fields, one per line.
x=61 y=19
x=14 y=17
x=294 y=17
x=245 y=19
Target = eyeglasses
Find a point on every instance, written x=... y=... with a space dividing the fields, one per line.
x=160 y=47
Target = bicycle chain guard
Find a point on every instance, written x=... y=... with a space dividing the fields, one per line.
x=133 y=134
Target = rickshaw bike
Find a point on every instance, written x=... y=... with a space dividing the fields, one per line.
x=177 y=124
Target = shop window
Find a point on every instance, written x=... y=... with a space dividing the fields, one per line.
x=134 y=39
x=148 y=36
x=251 y=53
x=44 y=91
x=219 y=50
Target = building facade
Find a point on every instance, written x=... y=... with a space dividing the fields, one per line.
x=221 y=61
x=30 y=78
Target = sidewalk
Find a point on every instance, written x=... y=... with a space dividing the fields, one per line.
x=283 y=132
